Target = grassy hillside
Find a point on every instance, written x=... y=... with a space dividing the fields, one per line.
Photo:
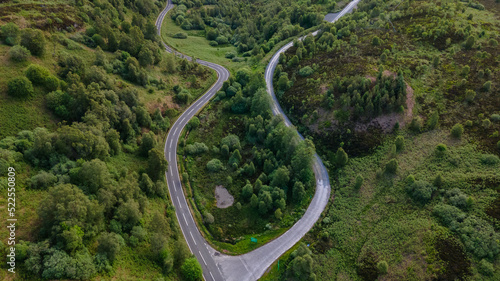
x=408 y=93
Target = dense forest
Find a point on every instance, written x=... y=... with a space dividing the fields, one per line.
x=401 y=100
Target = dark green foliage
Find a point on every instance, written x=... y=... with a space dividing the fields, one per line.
x=469 y=43
x=66 y=206
x=235 y=159
x=375 y=41
x=193 y=123
x=148 y=142
x=20 y=87
x=392 y=166
x=298 y=191
x=433 y=121
x=359 y=181
x=441 y=149
x=341 y=157
x=10 y=33
x=247 y=191
x=400 y=143
x=34 y=41
x=301 y=265
x=157 y=165
x=420 y=191
x=143 y=117
x=128 y=214
x=486 y=268
x=490 y=159
x=180 y=35
x=19 y=53
x=110 y=245
x=306 y=71
x=281 y=177
x=457 y=130
x=92 y=176
x=382 y=267
x=37 y=74
x=232 y=142
x=43 y=180
x=214 y=165
x=191 y=270
x=196 y=148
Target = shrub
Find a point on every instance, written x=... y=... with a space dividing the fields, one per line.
x=486 y=86
x=230 y=55
x=37 y=74
x=457 y=130
x=42 y=180
x=485 y=268
x=20 y=87
x=391 y=167
x=447 y=214
x=420 y=191
x=490 y=159
x=34 y=41
x=486 y=123
x=196 y=148
x=306 y=71
x=376 y=41
x=180 y=35
x=19 y=53
x=359 y=181
x=400 y=143
x=382 y=267
x=191 y=270
x=416 y=124
x=10 y=33
x=51 y=83
x=214 y=165
x=470 y=95
x=213 y=43
x=495 y=117
x=221 y=40
x=470 y=42
x=441 y=149
x=341 y=157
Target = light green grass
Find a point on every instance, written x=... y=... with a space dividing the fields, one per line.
x=197 y=46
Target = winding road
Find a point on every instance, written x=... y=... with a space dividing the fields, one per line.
x=250 y=266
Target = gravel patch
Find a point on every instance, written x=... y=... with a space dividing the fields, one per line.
x=224 y=199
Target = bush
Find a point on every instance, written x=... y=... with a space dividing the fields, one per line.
x=214 y=165
x=359 y=181
x=420 y=191
x=490 y=159
x=230 y=55
x=180 y=35
x=486 y=123
x=441 y=149
x=10 y=33
x=382 y=267
x=447 y=214
x=37 y=74
x=42 y=180
x=34 y=41
x=376 y=41
x=392 y=166
x=51 y=83
x=196 y=148
x=486 y=86
x=306 y=71
x=400 y=143
x=19 y=53
x=457 y=130
x=221 y=40
x=416 y=124
x=20 y=87
x=495 y=117
x=485 y=268
x=191 y=270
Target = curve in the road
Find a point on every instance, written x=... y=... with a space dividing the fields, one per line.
x=250 y=266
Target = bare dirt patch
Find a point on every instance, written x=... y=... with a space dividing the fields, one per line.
x=224 y=199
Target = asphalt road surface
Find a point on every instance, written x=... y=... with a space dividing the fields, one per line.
x=250 y=266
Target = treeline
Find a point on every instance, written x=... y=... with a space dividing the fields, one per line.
x=254 y=27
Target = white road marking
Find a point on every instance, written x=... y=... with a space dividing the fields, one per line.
x=180 y=205
x=212 y=276
x=202 y=258
x=185 y=219
x=193 y=238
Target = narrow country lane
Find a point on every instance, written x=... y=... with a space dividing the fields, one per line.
x=250 y=266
